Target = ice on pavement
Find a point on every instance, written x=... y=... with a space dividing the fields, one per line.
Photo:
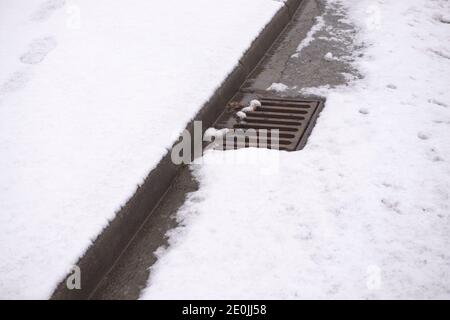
x=92 y=93
x=362 y=212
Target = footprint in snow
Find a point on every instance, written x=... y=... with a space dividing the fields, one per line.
x=364 y=111
x=442 y=18
x=304 y=232
x=38 y=50
x=440 y=53
x=437 y=102
x=46 y=9
x=392 y=86
x=15 y=82
x=434 y=156
x=391 y=186
x=391 y=205
x=423 y=135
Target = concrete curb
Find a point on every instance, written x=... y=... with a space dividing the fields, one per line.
x=114 y=239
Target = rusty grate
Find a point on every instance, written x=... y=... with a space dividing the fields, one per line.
x=293 y=118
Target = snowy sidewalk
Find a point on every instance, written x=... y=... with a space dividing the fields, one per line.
x=364 y=210
x=92 y=93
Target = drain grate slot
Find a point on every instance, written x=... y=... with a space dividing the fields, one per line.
x=285 y=103
x=266 y=126
x=284 y=110
x=293 y=118
x=288 y=122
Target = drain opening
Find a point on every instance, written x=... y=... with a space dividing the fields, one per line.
x=274 y=123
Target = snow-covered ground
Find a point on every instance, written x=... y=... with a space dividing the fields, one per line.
x=91 y=95
x=363 y=211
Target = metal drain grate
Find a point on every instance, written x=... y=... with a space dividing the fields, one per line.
x=293 y=118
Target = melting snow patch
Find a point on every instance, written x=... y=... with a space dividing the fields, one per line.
x=241 y=115
x=278 y=87
x=329 y=57
x=320 y=23
x=252 y=106
x=255 y=103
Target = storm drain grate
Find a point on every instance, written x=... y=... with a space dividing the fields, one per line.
x=293 y=118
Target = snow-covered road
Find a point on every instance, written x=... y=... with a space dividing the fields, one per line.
x=91 y=95
x=363 y=211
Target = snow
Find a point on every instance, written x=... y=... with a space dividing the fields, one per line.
x=254 y=103
x=362 y=212
x=278 y=87
x=241 y=115
x=319 y=24
x=252 y=106
x=248 y=109
x=92 y=93
x=329 y=57
x=443 y=18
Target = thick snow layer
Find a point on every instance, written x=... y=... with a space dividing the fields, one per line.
x=362 y=212
x=91 y=95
